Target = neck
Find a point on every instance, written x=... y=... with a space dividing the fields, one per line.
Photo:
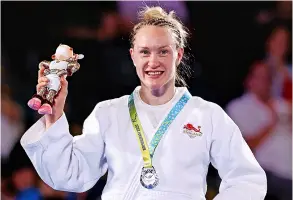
x=158 y=96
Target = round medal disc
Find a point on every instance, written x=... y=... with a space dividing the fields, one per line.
x=149 y=178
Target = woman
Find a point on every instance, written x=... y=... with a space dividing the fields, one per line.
x=157 y=142
x=277 y=51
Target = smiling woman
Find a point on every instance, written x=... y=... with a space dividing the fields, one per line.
x=157 y=48
x=157 y=142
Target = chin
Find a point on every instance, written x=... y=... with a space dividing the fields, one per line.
x=154 y=85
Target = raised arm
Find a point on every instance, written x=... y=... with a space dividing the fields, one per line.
x=242 y=177
x=64 y=162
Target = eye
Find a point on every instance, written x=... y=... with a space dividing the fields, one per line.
x=164 y=52
x=145 y=52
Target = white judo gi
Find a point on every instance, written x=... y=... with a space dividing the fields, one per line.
x=181 y=159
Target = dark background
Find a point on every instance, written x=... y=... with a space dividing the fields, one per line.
x=226 y=38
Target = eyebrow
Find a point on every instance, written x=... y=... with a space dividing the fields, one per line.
x=143 y=47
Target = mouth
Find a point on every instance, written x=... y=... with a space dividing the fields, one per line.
x=154 y=74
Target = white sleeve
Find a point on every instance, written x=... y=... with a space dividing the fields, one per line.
x=242 y=177
x=65 y=162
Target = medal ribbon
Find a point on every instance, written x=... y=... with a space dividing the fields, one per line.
x=148 y=152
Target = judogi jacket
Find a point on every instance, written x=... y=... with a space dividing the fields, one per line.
x=201 y=134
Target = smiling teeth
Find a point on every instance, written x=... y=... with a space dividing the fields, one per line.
x=154 y=73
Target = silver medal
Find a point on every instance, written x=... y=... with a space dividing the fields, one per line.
x=149 y=178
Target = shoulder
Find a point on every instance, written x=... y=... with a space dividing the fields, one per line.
x=112 y=103
x=212 y=110
x=203 y=105
x=207 y=109
x=222 y=125
x=100 y=115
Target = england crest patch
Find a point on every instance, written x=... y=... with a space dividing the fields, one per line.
x=191 y=131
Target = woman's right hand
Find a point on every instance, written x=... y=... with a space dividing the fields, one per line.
x=59 y=100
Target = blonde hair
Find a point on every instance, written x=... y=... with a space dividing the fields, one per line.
x=156 y=16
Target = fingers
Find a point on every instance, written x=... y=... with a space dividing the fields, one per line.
x=64 y=82
x=43 y=79
x=64 y=86
x=41 y=72
x=41 y=85
x=42 y=82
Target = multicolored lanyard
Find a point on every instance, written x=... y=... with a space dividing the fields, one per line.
x=148 y=152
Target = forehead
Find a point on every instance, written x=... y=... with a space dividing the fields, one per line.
x=153 y=36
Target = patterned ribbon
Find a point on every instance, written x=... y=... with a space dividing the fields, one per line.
x=148 y=152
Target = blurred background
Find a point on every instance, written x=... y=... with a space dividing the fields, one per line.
x=240 y=57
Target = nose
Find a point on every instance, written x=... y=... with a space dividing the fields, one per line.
x=154 y=61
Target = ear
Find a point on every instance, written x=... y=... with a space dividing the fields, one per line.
x=131 y=51
x=179 y=55
x=53 y=56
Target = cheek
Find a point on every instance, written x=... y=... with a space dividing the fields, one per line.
x=139 y=70
x=170 y=64
x=139 y=61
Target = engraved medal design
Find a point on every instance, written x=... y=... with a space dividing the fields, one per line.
x=149 y=178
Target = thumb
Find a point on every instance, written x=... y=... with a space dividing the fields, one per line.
x=63 y=85
x=64 y=82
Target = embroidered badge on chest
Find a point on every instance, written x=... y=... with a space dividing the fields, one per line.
x=191 y=131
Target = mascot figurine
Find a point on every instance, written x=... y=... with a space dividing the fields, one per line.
x=64 y=63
